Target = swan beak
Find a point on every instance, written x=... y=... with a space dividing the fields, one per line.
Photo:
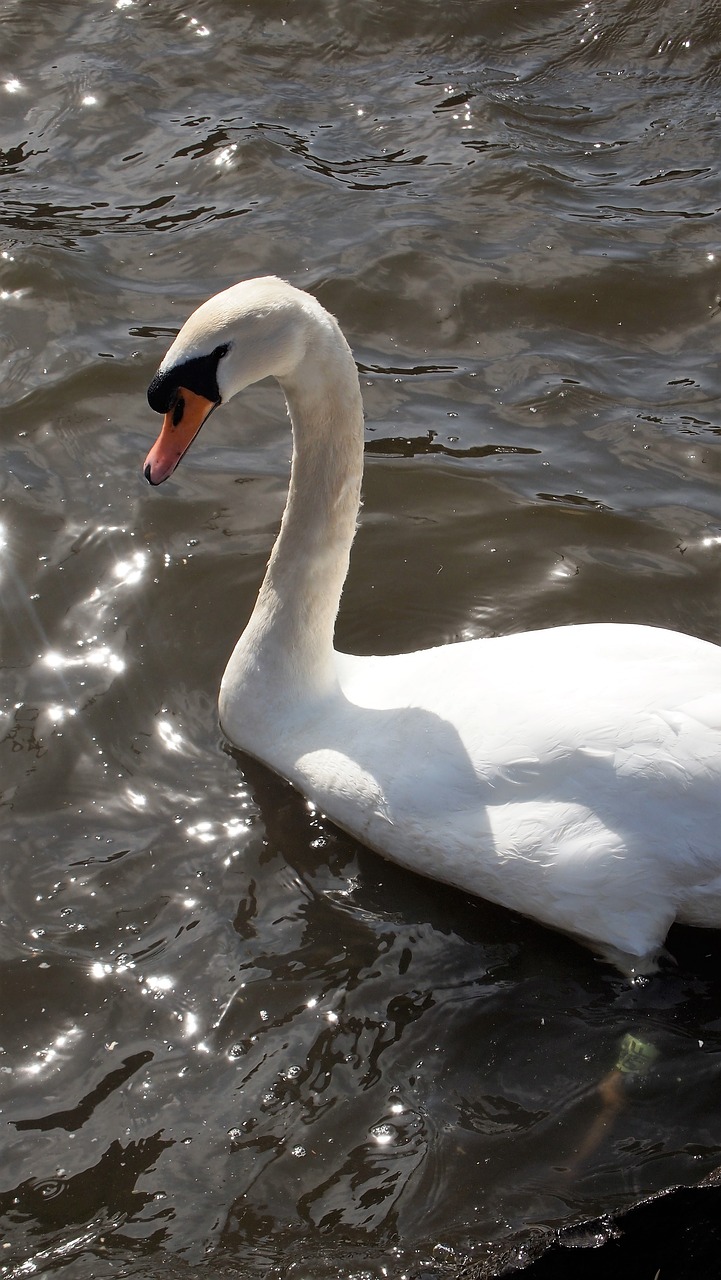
x=181 y=425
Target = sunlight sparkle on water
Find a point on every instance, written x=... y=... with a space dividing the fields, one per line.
x=564 y=569
x=58 y=713
x=160 y=982
x=207 y=831
x=224 y=158
x=130 y=571
x=101 y=656
x=170 y=738
x=52 y=1052
x=235 y=825
x=192 y=1025
x=198 y=27
x=383 y=1134
x=202 y=831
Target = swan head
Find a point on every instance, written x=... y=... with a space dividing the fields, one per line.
x=251 y=331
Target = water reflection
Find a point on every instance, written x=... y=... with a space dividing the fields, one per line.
x=58 y=1053
x=101 y=656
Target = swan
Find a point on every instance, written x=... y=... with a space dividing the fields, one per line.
x=570 y=774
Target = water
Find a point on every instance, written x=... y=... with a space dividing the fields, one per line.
x=234 y=1042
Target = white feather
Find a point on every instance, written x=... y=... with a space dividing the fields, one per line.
x=571 y=774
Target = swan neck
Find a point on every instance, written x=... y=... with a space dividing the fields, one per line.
x=290 y=634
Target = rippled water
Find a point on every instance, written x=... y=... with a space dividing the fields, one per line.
x=234 y=1042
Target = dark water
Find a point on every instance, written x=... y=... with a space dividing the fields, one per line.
x=234 y=1043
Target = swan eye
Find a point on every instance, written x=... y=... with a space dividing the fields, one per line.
x=198 y=374
x=178 y=409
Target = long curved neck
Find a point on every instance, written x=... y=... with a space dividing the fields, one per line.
x=286 y=650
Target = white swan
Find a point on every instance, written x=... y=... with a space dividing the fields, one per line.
x=572 y=774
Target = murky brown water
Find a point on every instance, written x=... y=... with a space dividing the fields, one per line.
x=235 y=1043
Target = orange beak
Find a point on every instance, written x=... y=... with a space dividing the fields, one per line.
x=181 y=425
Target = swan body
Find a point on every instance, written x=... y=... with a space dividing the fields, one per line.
x=571 y=774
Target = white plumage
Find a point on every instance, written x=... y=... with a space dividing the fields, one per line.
x=571 y=774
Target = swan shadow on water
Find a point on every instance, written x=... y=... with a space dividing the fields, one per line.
x=439 y=820
x=483 y=975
